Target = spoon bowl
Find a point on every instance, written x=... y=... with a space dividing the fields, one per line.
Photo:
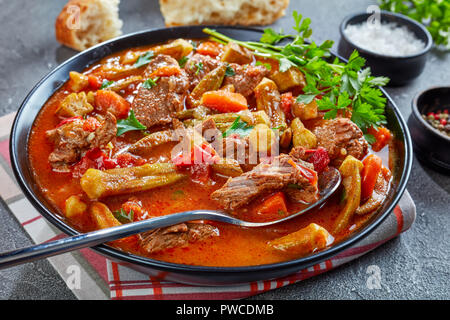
x=329 y=182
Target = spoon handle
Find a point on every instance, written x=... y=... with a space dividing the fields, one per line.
x=90 y=239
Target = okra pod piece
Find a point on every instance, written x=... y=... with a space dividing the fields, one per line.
x=268 y=99
x=227 y=167
x=210 y=82
x=350 y=170
x=154 y=139
x=96 y=183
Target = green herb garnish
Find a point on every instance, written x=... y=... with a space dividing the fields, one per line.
x=305 y=98
x=435 y=15
x=199 y=67
x=123 y=216
x=370 y=138
x=194 y=45
x=150 y=83
x=182 y=61
x=238 y=127
x=265 y=65
x=144 y=59
x=106 y=84
x=229 y=71
x=343 y=87
x=129 y=124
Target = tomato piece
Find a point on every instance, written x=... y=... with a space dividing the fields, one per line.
x=128 y=160
x=199 y=155
x=209 y=48
x=319 y=158
x=382 y=137
x=95 y=82
x=94 y=158
x=91 y=124
x=135 y=206
x=107 y=100
x=287 y=100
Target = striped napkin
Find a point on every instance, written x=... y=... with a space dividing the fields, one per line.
x=92 y=276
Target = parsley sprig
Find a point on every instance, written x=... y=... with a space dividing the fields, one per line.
x=340 y=87
x=106 y=83
x=150 y=83
x=129 y=124
x=435 y=15
x=144 y=59
x=123 y=216
x=238 y=127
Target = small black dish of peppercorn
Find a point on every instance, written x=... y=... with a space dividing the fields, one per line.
x=429 y=125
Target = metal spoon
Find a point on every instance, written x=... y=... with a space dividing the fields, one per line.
x=329 y=181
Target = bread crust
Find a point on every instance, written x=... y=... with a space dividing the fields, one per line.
x=245 y=13
x=70 y=19
x=64 y=34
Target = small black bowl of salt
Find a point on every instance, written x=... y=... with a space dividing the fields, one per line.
x=393 y=45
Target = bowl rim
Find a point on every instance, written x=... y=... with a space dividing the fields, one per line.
x=418 y=115
x=195 y=269
x=428 y=44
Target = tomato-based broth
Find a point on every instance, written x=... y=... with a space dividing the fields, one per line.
x=104 y=124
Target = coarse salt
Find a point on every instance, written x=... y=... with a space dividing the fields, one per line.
x=384 y=38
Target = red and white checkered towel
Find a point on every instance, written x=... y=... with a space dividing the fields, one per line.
x=100 y=278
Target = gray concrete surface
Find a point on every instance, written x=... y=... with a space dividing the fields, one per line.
x=413 y=266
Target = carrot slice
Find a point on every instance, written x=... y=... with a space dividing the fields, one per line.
x=166 y=71
x=224 y=101
x=274 y=206
x=210 y=48
x=382 y=137
x=107 y=100
x=372 y=167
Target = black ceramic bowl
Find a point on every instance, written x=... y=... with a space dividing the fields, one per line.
x=400 y=70
x=170 y=271
x=430 y=146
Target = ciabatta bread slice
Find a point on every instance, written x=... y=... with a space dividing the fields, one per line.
x=224 y=12
x=84 y=23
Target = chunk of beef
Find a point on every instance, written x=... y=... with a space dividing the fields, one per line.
x=236 y=148
x=299 y=152
x=179 y=235
x=71 y=140
x=198 y=66
x=341 y=137
x=246 y=78
x=156 y=105
x=208 y=130
x=264 y=178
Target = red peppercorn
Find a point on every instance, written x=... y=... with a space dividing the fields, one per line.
x=443 y=122
x=446 y=111
x=430 y=114
x=437 y=117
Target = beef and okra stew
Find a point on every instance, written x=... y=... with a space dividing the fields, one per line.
x=215 y=123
